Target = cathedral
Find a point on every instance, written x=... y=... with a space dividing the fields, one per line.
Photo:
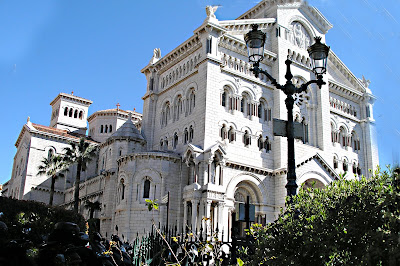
x=205 y=138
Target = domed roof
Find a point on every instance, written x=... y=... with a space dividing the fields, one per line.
x=128 y=129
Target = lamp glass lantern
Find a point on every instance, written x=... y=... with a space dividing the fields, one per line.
x=319 y=56
x=255 y=41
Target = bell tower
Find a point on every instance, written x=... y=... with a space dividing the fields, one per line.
x=70 y=112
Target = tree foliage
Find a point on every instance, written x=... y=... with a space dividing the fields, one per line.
x=33 y=220
x=53 y=167
x=349 y=222
x=81 y=154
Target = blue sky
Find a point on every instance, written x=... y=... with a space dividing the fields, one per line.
x=97 y=48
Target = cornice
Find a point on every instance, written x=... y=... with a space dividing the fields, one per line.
x=333 y=59
x=239 y=46
x=176 y=55
x=112 y=139
x=148 y=155
x=115 y=112
x=344 y=91
x=243 y=26
x=72 y=98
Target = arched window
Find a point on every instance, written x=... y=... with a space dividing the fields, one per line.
x=191 y=134
x=242 y=104
x=223 y=99
x=146 y=189
x=259 y=110
x=110 y=129
x=70 y=112
x=50 y=154
x=345 y=165
x=267 y=144
x=76 y=114
x=186 y=136
x=161 y=144
x=231 y=134
x=192 y=101
x=354 y=168
x=81 y=115
x=122 y=187
x=246 y=138
x=101 y=129
x=66 y=111
x=335 y=163
x=175 y=140
x=223 y=132
x=106 y=129
x=260 y=143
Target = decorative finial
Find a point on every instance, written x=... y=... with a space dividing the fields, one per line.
x=134 y=109
x=318 y=39
x=29 y=119
x=118 y=105
x=72 y=92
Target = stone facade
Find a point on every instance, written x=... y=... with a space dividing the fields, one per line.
x=206 y=132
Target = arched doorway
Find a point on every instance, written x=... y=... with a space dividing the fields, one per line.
x=245 y=192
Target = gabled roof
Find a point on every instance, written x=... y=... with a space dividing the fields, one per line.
x=324 y=164
x=313 y=13
x=72 y=98
x=49 y=132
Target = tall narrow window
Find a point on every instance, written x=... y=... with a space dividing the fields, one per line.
x=231 y=134
x=368 y=111
x=146 y=189
x=209 y=46
x=66 y=111
x=101 y=129
x=260 y=143
x=186 y=136
x=76 y=114
x=246 y=138
x=106 y=129
x=110 y=128
x=259 y=110
x=242 y=103
x=50 y=154
x=70 y=112
x=223 y=99
x=191 y=133
x=122 y=189
x=81 y=115
x=175 y=140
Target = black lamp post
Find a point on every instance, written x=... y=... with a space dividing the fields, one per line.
x=255 y=41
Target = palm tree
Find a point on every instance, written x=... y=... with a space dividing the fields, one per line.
x=80 y=153
x=53 y=167
x=92 y=206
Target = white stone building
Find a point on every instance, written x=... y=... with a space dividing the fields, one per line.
x=206 y=131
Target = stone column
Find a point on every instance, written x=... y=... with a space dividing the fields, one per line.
x=221 y=219
x=184 y=215
x=208 y=215
x=195 y=202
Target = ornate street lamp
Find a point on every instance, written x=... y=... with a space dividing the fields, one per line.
x=255 y=41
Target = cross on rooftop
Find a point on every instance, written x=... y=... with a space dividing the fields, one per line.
x=118 y=105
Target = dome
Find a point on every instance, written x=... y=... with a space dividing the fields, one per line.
x=128 y=130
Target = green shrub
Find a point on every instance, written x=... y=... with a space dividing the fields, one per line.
x=33 y=220
x=349 y=222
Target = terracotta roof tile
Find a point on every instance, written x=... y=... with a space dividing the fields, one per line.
x=60 y=132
